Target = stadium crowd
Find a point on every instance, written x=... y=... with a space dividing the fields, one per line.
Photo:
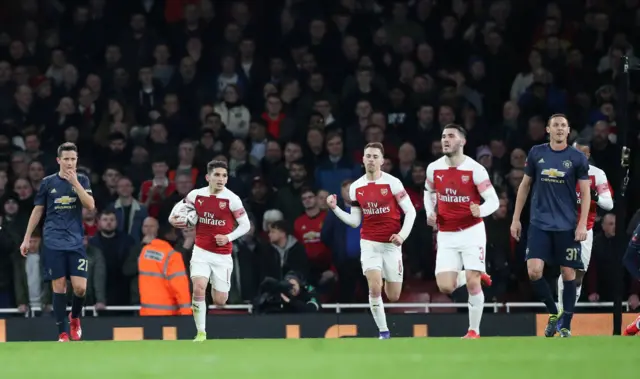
x=288 y=92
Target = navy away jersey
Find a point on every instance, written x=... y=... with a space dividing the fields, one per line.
x=63 y=228
x=554 y=176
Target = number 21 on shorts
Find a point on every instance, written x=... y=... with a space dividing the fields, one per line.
x=82 y=264
x=572 y=254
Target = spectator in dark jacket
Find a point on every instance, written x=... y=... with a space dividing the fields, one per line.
x=282 y=254
x=335 y=168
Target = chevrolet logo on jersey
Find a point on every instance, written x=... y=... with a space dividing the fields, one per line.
x=65 y=202
x=552 y=175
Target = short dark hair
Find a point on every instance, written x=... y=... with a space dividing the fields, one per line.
x=457 y=127
x=304 y=190
x=280 y=225
x=557 y=115
x=67 y=146
x=107 y=212
x=375 y=145
x=216 y=164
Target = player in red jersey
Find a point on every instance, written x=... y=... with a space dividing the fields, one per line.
x=379 y=196
x=600 y=197
x=458 y=184
x=218 y=210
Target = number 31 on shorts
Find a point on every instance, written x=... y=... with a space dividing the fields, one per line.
x=572 y=254
x=82 y=264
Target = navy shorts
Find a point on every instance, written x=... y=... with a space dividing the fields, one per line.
x=554 y=247
x=64 y=263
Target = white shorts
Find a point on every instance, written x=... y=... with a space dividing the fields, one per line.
x=462 y=249
x=382 y=256
x=216 y=267
x=585 y=249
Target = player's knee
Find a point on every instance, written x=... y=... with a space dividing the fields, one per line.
x=79 y=291
x=534 y=274
x=474 y=284
x=446 y=287
x=199 y=290
x=220 y=298
x=568 y=273
x=59 y=285
x=393 y=294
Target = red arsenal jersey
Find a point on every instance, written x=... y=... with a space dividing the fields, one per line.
x=456 y=188
x=600 y=184
x=216 y=215
x=378 y=200
x=307 y=230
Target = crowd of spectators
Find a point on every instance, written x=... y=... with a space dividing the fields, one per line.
x=288 y=92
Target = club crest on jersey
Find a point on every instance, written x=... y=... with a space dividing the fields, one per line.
x=465 y=179
x=384 y=192
x=223 y=205
x=566 y=164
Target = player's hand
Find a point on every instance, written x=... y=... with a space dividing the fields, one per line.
x=516 y=229
x=432 y=220
x=581 y=233
x=332 y=201
x=396 y=240
x=285 y=298
x=175 y=221
x=100 y=306
x=221 y=239
x=475 y=209
x=71 y=177
x=594 y=298
x=24 y=248
x=23 y=308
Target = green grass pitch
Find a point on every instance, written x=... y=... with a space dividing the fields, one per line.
x=399 y=358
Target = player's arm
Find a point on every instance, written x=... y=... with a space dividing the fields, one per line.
x=354 y=218
x=244 y=225
x=40 y=201
x=525 y=185
x=83 y=190
x=603 y=196
x=486 y=190
x=429 y=193
x=398 y=191
x=582 y=174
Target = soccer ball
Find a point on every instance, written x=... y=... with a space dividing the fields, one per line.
x=191 y=216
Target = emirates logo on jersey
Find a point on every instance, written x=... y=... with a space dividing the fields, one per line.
x=465 y=179
x=384 y=192
x=223 y=205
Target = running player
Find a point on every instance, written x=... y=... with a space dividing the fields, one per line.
x=600 y=197
x=459 y=183
x=218 y=210
x=632 y=263
x=555 y=169
x=60 y=199
x=378 y=196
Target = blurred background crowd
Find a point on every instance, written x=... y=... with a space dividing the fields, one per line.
x=288 y=92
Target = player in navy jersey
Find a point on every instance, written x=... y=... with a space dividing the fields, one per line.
x=60 y=199
x=552 y=172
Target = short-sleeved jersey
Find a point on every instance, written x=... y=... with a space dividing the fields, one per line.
x=217 y=214
x=456 y=188
x=378 y=200
x=555 y=175
x=63 y=227
x=600 y=184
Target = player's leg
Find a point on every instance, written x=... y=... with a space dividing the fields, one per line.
x=633 y=328
x=461 y=280
x=78 y=267
x=392 y=271
x=371 y=259
x=540 y=249
x=448 y=262
x=55 y=271
x=200 y=274
x=568 y=253
x=473 y=260
x=586 y=258
x=221 y=279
